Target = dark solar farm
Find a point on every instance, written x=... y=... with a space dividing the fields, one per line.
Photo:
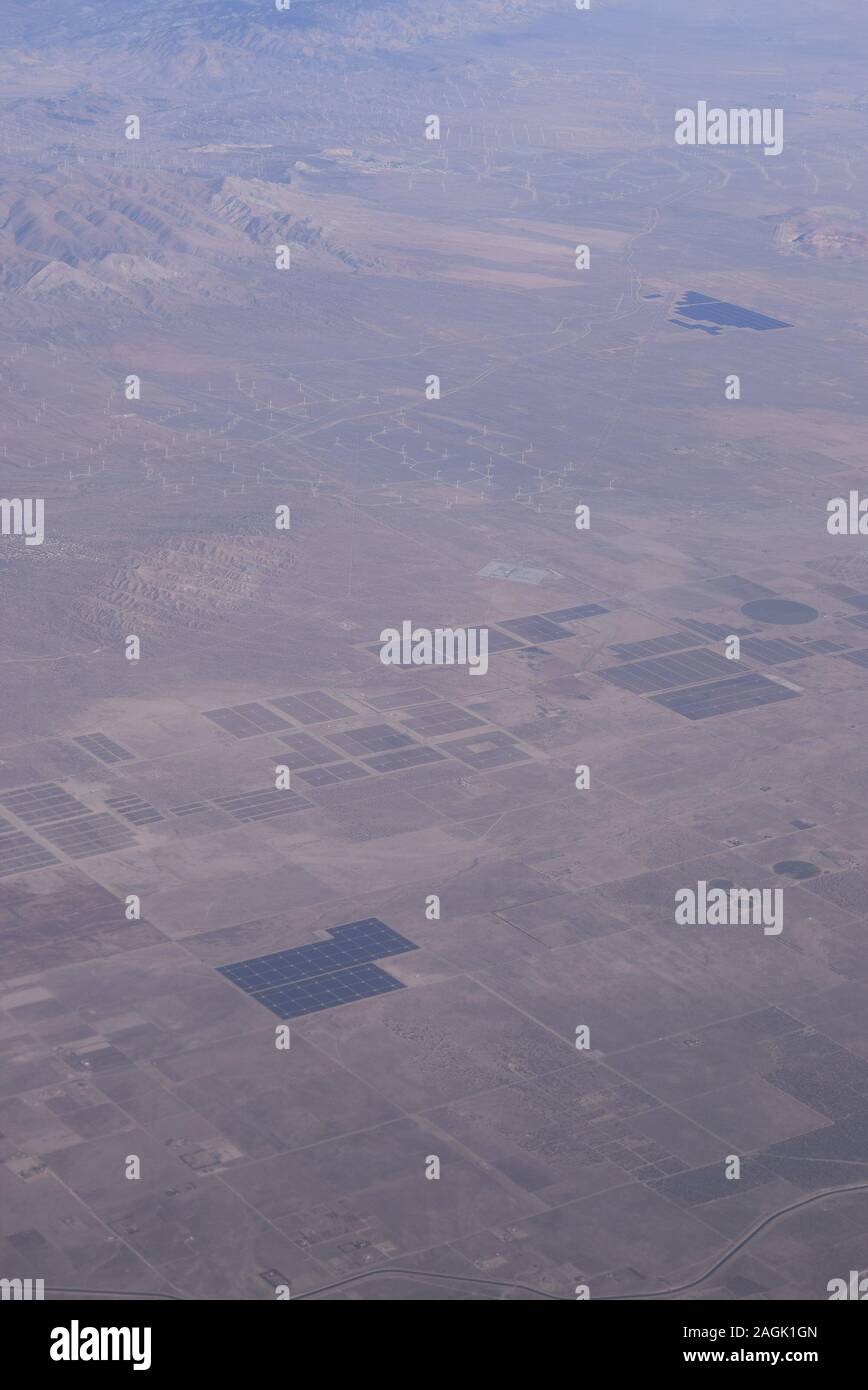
x=710 y=310
x=324 y=974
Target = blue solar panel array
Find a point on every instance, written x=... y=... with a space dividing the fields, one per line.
x=322 y=974
x=698 y=306
x=327 y=991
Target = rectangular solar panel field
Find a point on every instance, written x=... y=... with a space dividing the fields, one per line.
x=352 y=944
x=261 y=805
x=501 y=641
x=536 y=628
x=773 y=650
x=321 y=974
x=441 y=719
x=327 y=991
x=736 y=586
x=85 y=835
x=664 y=673
x=264 y=719
x=724 y=697
x=312 y=707
x=571 y=615
x=375 y=738
x=18 y=851
x=402 y=699
x=416 y=756
x=134 y=809
x=43 y=804
x=713 y=630
x=655 y=646
x=857 y=658
x=695 y=306
x=485 y=751
x=104 y=748
x=823 y=647
x=330 y=776
x=232 y=722
x=303 y=750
